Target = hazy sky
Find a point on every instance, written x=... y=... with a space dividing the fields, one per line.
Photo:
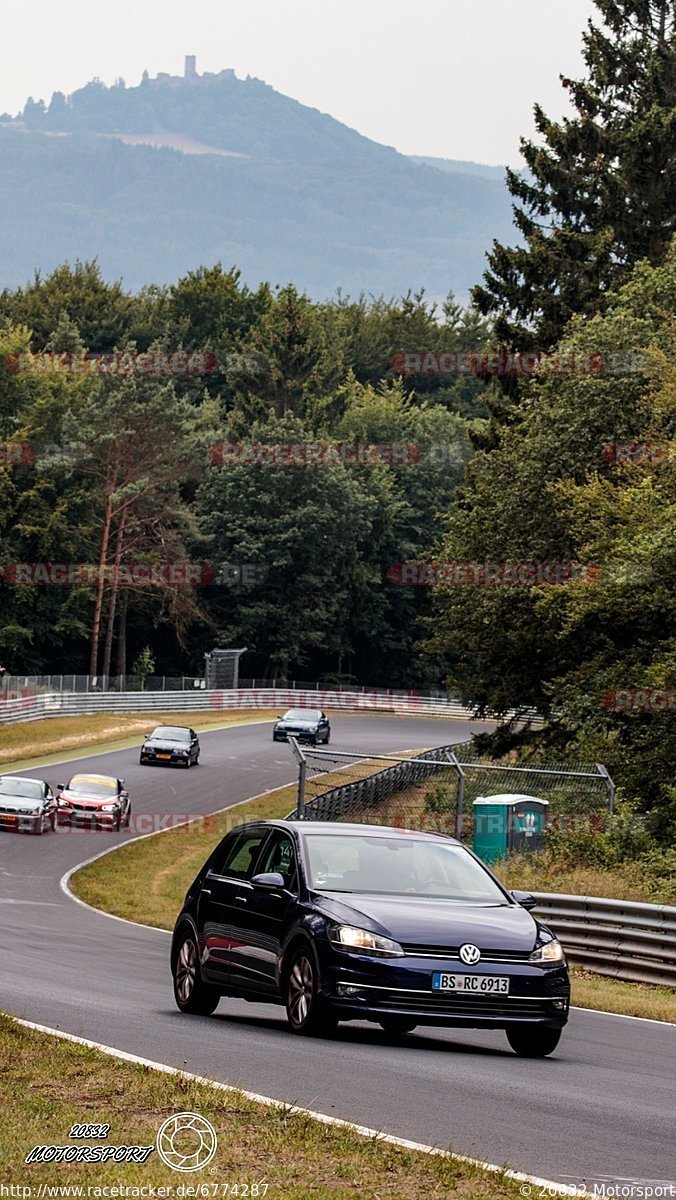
x=455 y=78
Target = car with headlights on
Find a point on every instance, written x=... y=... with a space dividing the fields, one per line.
x=26 y=805
x=344 y=922
x=172 y=746
x=309 y=725
x=93 y=802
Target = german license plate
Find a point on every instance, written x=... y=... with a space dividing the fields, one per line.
x=162 y=756
x=481 y=984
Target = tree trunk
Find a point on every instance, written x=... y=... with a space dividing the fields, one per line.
x=114 y=589
x=100 y=584
x=121 y=667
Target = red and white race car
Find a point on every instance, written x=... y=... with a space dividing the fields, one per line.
x=93 y=801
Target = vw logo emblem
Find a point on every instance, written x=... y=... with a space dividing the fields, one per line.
x=186 y=1142
x=470 y=954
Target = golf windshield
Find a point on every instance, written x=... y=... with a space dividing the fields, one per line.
x=398 y=866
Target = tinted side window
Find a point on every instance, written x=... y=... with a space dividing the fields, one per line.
x=241 y=855
x=280 y=855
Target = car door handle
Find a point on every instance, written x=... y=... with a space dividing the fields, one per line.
x=206 y=892
x=240 y=900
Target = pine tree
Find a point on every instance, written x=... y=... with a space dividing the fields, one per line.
x=599 y=192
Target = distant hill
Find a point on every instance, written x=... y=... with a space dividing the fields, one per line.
x=459 y=166
x=158 y=179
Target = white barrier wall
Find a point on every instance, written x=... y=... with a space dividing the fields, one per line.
x=52 y=704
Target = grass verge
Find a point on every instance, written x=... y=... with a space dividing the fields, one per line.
x=625 y=881
x=146 y=881
x=48 y=1085
x=105 y=731
x=629 y=999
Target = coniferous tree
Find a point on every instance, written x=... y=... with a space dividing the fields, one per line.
x=599 y=191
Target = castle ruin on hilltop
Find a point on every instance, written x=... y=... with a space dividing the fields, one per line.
x=189 y=74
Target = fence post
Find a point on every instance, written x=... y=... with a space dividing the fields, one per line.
x=459 y=814
x=610 y=785
x=302 y=775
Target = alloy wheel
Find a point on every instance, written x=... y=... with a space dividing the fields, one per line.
x=186 y=970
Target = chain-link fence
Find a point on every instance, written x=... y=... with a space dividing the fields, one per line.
x=14 y=686
x=436 y=789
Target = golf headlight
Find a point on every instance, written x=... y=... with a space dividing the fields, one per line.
x=108 y=807
x=550 y=952
x=363 y=941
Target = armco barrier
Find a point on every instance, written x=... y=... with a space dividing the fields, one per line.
x=619 y=938
x=55 y=704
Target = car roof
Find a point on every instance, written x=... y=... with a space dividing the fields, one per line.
x=21 y=778
x=343 y=828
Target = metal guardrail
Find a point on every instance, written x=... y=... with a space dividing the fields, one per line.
x=622 y=939
x=54 y=704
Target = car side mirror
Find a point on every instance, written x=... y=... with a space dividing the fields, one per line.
x=524 y=899
x=60 y=787
x=269 y=881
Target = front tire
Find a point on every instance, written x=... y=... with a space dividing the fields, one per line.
x=307 y=1014
x=191 y=994
x=532 y=1042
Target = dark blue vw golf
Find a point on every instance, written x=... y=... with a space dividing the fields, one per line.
x=343 y=922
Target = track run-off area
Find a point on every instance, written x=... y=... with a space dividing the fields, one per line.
x=600 y=1110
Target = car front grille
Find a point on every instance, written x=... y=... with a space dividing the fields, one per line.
x=489 y=1007
x=452 y=953
x=15 y=812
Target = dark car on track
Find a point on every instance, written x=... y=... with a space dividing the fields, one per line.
x=27 y=805
x=305 y=724
x=172 y=745
x=94 y=801
x=344 y=922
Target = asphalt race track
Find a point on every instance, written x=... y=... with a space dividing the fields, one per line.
x=600 y=1110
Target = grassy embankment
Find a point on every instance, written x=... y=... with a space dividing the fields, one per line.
x=47 y=1085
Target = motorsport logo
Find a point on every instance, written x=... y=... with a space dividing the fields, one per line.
x=184 y=1142
x=89 y=1154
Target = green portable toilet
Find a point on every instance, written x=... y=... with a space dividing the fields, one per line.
x=508 y=823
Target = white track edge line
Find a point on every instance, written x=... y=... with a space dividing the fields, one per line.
x=363 y=1130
